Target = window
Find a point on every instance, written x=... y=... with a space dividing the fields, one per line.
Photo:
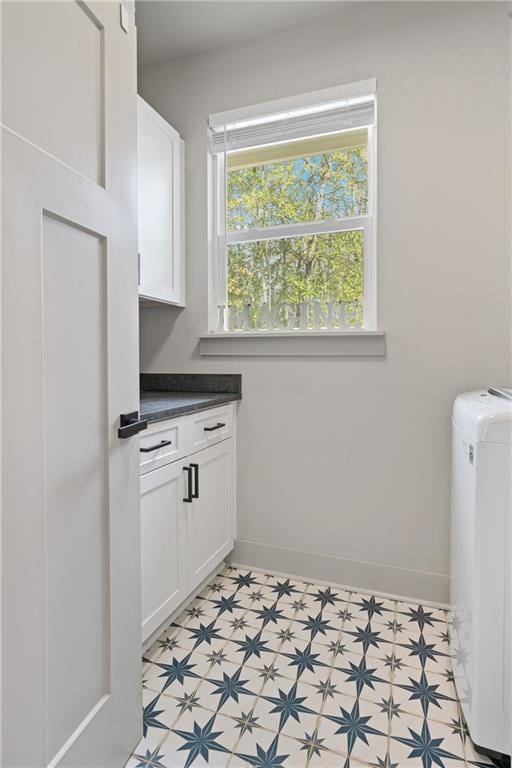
x=293 y=216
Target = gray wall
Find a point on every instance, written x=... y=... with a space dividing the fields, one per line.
x=344 y=464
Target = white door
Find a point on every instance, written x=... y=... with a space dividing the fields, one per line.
x=160 y=192
x=209 y=518
x=71 y=570
x=161 y=503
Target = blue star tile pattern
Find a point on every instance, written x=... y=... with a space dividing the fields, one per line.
x=215 y=587
x=252 y=646
x=336 y=648
x=390 y=708
x=168 y=643
x=216 y=657
x=304 y=659
x=177 y=670
x=391 y=661
x=361 y=675
x=205 y=634
x=284 y=588
x=200 y=741
x=244 y=580
x=226 y=604
x=269 y=614
x=187 y=702
x=421 y=617
x=151 y=759
x=325 y=688
x=425 y=693
x=285 y=634
x=238 y=623
x=312 y=744
x=366 y=636
x=371 y=606
x=150 y=716
x=422 y=649
x=316 y=625
x=429 y=750
x=246 y=722
x=327 y=597
x=354 y=725
x=271 y=672
x=385 y=762
x=288 y=704
x=266 y=758
x=230 y=687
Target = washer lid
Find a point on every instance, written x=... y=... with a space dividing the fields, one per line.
x=484 y=416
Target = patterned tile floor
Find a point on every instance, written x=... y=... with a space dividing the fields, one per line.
x=271 y=672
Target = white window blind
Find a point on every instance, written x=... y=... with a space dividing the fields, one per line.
x=319 y=120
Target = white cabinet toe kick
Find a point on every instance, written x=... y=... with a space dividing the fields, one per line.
x=187 y=507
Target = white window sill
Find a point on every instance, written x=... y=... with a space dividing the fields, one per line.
x=294 y=343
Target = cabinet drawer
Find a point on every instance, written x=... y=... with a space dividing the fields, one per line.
x=210 y=427
x=162 y=443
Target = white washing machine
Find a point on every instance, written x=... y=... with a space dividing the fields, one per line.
x=480 y=563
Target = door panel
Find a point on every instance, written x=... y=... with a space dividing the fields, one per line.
x=162 y=557
x=56 y=85
x=71 y=570
x=76 y=474
x=209 y=519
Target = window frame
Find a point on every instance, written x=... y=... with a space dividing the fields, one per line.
x=219 y=239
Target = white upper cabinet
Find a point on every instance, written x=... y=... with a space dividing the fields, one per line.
x=161 y=209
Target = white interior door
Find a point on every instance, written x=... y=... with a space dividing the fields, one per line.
x=71 y=572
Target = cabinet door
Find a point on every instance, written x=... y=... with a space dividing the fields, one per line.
x=163 y=586
x=209 y=519
x=160 y=202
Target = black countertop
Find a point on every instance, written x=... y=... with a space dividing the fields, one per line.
x=166 y=395
x=155 y=406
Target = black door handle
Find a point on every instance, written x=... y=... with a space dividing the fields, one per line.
x=189 y=496
x=161 y=444
x=130 y=424
x=219 y=425
x=195 y=467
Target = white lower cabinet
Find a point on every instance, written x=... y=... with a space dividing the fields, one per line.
x=163 y=573
x=187 y=510
x=209 y=518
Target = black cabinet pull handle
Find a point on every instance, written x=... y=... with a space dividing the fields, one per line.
x=219 y=425
x=189 y=496
x=161 y=444
x=130 y=424
x=195 y=467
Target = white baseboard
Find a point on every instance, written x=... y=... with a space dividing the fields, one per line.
x=402 y=583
